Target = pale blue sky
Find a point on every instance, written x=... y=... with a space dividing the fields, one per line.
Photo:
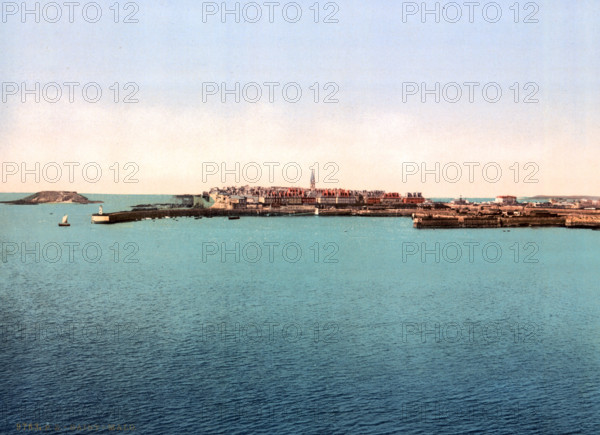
x=369 y=133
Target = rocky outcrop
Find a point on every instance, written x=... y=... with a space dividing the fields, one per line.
x=53 y=197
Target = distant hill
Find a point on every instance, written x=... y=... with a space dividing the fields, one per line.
x=53 y=197
x=592 y=198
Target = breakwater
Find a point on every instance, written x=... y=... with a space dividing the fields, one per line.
x=137 y=215
x=421 y=220
x=428 y=221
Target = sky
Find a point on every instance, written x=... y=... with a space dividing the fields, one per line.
x=374 y=122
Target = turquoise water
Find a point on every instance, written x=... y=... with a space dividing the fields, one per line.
x=294 y=325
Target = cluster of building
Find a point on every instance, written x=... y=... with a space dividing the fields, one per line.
x=506 y=200
x=256 y=197
x=249 y=198
x=509 y=200
x=500 y=200
x=576 y=203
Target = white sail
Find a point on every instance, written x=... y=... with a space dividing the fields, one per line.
x=65 y=217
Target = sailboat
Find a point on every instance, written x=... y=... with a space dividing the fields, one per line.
x=64 y=222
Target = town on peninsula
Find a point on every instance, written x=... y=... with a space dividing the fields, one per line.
x=234 y=201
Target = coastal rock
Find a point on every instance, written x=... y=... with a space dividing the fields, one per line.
x=53 y=197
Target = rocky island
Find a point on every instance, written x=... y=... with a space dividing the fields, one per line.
x=53 y=197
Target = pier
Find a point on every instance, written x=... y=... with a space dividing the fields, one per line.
x=138 y=215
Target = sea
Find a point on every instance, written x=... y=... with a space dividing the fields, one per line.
x=287 y=325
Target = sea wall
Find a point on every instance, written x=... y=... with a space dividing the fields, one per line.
x=136 y=215
x=583 y=221
x=429 y=221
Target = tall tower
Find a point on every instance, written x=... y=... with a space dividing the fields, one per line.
x=312 y=180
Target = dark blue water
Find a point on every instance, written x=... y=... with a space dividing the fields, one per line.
x=294 y=325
